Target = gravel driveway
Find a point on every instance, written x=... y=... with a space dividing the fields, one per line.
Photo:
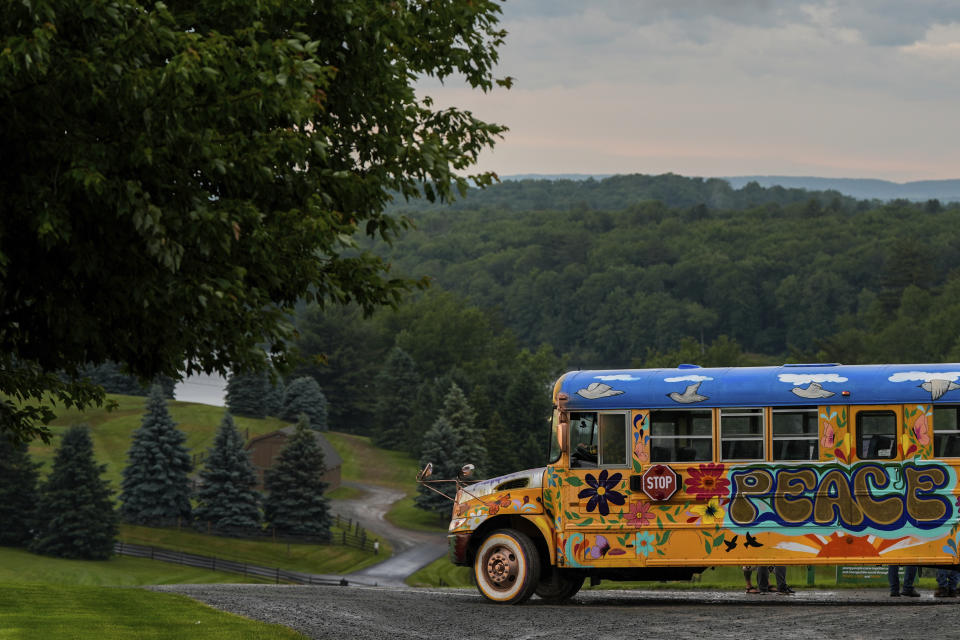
x=373 y=613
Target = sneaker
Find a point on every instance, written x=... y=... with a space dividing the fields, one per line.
x=786 y=591
x=941 y=592
x=910 y=593
x=894 y=594
x=951 y=593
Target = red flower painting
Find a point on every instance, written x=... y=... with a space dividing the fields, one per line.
x=707 y=482
x=640 y=514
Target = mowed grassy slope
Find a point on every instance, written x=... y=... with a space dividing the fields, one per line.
x=111 y=431
x=307 y=558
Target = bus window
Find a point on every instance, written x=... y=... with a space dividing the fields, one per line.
x=946 y=432
x=741 y=434
x=681 y=436
x=876 y=435
x=584 y=440
x=613 y=440
x=600 y=441
x=795 y=434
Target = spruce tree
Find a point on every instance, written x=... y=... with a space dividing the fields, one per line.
x=470 y=448
x=75 y=513
x=450 y=443
x=303 y=395
x=248 y=394
x=156 y=486
x=227 y=500
x=440 y=447
x=395 y=393
x=295 y=504
x=18 y=493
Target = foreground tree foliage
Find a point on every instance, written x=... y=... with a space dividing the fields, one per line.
x=295 y=504
x=196 y=169
x=227 y=501
x=75 y=513
x=156 y=483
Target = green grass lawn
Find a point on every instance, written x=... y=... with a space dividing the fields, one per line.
x=79 y=599
x=52 y=612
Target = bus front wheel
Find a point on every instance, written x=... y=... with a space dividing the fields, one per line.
x=506 y=567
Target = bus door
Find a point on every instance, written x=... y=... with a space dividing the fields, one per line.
x=595 y=489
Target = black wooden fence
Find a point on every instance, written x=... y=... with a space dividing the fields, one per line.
x=218 y=564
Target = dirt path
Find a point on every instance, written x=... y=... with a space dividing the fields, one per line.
x=413 y=550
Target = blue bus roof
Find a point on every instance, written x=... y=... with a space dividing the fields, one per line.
x=689 y=386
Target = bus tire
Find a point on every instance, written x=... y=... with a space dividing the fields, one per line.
x=506 y=567
x=557 y=585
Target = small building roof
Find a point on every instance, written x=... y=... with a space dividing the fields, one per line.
x=330 y=456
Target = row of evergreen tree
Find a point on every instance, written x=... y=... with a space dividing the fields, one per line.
x=262 y=394
x=72 y=514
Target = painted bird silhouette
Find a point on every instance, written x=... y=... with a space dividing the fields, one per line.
x=689 y=395
x=938 y=387
x=751 y=541
x=813 y=390
x=731 y=544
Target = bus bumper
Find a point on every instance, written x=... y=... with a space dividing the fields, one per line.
x=459 y=542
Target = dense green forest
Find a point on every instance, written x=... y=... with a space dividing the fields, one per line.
x=664 y=275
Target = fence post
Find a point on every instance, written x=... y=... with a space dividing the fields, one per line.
x=278 y=575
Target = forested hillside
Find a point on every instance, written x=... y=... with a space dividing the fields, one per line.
x=622 y=191
x=519 y=294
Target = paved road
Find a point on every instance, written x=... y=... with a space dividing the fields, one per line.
x=363 y=613
x=413 y=550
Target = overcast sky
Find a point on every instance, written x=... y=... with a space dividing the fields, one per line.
x=865 y=88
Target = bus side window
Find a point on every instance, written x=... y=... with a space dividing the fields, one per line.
x=946 y=432
x=876 y=435
x=795 y=434
x=681 y=435
x=741 y=434
x=613 y=440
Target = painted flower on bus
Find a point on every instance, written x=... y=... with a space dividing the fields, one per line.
x=829 y=435
x=640 y=514
x=602 y=490
x=707 y=482
x=644 y=543
x=707 y=514
x=922 y=430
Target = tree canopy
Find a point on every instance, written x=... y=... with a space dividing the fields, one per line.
x=196 y=170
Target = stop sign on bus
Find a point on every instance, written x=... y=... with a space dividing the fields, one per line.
x=660 y=482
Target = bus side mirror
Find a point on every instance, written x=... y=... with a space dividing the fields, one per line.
x=466 y=471
x=425 y=473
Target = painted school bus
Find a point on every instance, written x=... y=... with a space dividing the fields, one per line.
x=657 y=474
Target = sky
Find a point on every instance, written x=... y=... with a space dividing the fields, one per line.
x=855 y=89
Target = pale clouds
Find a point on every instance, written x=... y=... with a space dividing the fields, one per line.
x=699 y=87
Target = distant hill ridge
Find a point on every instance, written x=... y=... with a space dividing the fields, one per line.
x=859 y=188
x=862 y=188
